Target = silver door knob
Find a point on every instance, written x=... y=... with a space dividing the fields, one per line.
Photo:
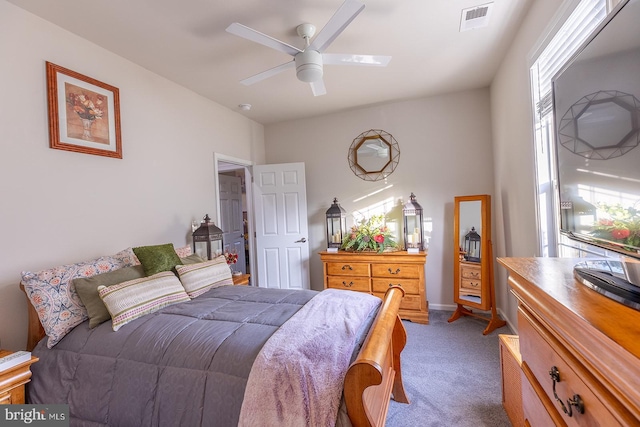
x=303 y=240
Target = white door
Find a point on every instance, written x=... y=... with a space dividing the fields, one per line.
x=231 y=221
x=280 y=204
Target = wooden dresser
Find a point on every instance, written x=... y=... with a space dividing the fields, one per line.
x=13 y=380
x=577 y=343
x=374 y=273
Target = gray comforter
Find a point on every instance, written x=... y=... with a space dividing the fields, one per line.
x=186 y=365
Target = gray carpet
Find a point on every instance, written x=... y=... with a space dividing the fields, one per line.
x=451 y=374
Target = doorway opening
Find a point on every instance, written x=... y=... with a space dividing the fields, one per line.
x=235 y=211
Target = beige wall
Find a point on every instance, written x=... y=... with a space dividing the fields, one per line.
x=59 y=207
x=513 y=147
x=445 y=151
x=441 y=138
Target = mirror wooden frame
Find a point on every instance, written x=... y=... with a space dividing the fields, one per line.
x=481 y=272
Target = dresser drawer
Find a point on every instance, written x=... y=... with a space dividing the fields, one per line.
x=368 y=270
x=360 y=284
x=541 y=353
x=470 y=287
x=410 y=286
x=535 y=413
x=398 y=271
x=347 y=269
x=409 y=302
x=470 y=272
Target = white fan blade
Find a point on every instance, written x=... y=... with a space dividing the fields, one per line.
x=346 y=59
x=318 y=88
x=265 y=40
x=336 y=25
x=266 y=74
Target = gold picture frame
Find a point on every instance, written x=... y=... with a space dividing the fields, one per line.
x=84 y=113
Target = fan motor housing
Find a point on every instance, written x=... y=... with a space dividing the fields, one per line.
x=309 y=66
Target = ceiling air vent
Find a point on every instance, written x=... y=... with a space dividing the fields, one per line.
x=475 y=17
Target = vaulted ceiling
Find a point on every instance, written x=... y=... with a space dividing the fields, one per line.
x=185 y=41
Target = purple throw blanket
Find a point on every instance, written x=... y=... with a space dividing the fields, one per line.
x=297 y=378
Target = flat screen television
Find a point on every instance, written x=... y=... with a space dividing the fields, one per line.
x=597 y=123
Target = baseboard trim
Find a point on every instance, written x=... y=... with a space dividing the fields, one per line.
x=452 y=307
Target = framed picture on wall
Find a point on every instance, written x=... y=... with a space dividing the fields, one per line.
x=84 y=113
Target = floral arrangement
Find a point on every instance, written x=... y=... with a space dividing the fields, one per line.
x=619 y=224
x=231 y=257
x=369 y=235
x=85 y=107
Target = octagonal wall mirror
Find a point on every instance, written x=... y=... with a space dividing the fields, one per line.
x=602 y=125
x=373 y=155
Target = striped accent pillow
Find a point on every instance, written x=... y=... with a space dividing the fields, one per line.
x=199 y=278
x=133 y=299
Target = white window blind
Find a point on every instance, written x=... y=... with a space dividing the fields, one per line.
x=573 y=33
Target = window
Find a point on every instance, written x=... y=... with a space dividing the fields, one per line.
x=572 y=34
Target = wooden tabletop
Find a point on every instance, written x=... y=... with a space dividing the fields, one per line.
x=241 y=279
x=603 y=333
x=554 y=277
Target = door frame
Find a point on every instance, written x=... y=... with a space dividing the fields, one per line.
x=246 y=164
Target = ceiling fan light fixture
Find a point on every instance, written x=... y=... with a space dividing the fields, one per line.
x=309 y=66
x=309 y=61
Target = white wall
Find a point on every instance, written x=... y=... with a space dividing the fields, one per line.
x=513 y=147
x=60 y=207
x=445 y=151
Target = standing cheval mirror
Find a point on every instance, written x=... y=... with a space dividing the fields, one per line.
x=473 y=261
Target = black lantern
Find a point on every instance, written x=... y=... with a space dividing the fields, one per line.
x=413 y=225
x=207 y=233
x=472 y=246
x=336 y=226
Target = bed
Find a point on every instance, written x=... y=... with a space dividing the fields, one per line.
x=214 y=359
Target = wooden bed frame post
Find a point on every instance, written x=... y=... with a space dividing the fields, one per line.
x=376 y=374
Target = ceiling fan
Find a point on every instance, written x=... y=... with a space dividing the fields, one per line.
x=309 y=60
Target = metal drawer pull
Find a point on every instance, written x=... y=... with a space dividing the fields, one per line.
x=391 y=272
x=347 y=267
x=397 y=284
x=554 y=373
x=345 y=284
x=474 y=275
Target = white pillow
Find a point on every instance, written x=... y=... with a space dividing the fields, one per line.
x=199 y=278
x=133 y=299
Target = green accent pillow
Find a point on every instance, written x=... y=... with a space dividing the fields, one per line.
x=87 y=289
x=158 y=258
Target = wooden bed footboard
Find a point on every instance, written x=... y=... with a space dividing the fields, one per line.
x=376 y=374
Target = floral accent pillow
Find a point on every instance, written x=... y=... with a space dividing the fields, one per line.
x=55 y=299
x=184 y=251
